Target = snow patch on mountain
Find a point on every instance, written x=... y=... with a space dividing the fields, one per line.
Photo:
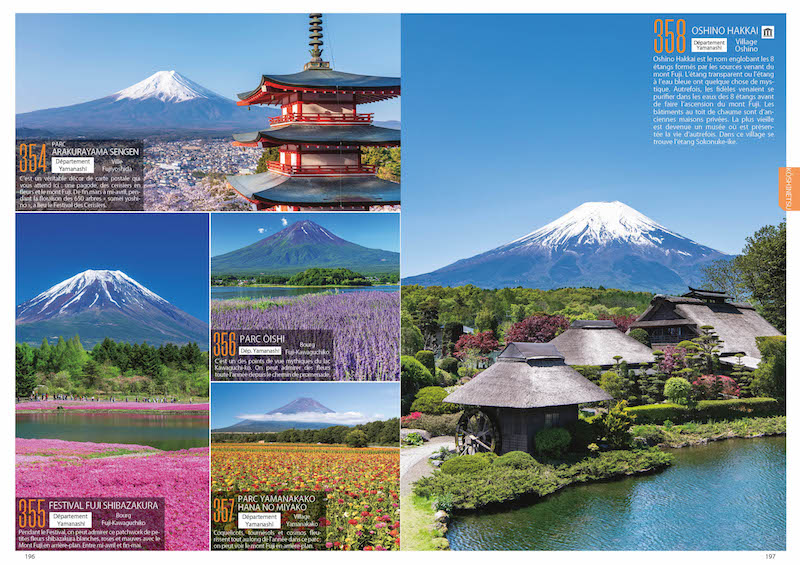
x=167 y=86
x=598 y=223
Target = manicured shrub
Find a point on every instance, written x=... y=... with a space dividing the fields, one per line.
x=613 y=384
x=444 y=378
x=449 y=364
x=710 y=386
x=640 y=335
x=429 y=401
x=413 y=376
x=650 y=433
x=591 y=372
x=677 y=390
x=467 y=464
x=552 y=442
x=616 y=425
x=426 y=358
x=515 y=460
x=410 y=420
x=584 y=431
x=442 y=425
x=736 y=408
x=658 y=413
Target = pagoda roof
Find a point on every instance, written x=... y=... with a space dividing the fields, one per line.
x=360 y=134
x=288 y=190
x=366 y=88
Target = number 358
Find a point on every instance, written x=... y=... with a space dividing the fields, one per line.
x=670 y=36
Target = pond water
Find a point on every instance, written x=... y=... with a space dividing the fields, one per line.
x=223 y=292
x=169 y=432
x=729 y=495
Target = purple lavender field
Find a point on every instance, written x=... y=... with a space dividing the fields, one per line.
x=366 y=327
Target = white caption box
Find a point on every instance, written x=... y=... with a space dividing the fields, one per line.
x=72 y=165
x=709 y=45
x=70 y=520
x=259 y=520
x=259 y=350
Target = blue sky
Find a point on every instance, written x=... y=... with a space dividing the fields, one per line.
x=353 y=402
x=64 y=59
x=167 y=253
x=232 y=231
x=511 y=121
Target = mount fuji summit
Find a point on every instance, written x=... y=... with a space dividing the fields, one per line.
x=164 y=102
x=102 y=303
x=597 y=244
x=305 y=409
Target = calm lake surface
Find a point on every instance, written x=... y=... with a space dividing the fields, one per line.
x=221 y=292
x=169 y=432
x=729 y=495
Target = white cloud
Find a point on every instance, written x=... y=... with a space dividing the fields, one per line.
x=261 y=230
x=285 y=222
x=332 y=418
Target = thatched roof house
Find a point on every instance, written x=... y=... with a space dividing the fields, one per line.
x=528 y=388
x=672 y=319
x=597 y=342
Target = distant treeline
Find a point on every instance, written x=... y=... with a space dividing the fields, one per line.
x=309 y=277
x=111 y=368
x=384 y=432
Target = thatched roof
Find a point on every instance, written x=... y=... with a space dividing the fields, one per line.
x=736 y=324
x=597 y=342
x=536 y=382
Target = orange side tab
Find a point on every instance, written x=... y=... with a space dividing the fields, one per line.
x=785 y=185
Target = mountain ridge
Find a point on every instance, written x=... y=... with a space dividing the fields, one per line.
x=596 y=244
x=101 y=303
x=304 y=245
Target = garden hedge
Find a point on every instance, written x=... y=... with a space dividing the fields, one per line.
x=705 y=410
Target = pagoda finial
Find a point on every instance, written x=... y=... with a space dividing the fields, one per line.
x=315 y=42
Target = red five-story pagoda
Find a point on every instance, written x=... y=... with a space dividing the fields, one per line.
x=319 y=135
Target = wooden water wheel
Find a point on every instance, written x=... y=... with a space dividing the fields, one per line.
x=476 y=432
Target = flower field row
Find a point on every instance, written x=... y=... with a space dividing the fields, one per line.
x=181 y=477
x=88 y=405
x=365 y=325
x=361 y=485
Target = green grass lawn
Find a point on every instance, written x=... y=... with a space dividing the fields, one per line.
x=416 y=517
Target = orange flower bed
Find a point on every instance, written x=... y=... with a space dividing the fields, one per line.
x=361 y=485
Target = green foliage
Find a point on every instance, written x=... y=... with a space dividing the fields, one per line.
x=657 y=413
x=441 y=425
x=467 y=464
x=500 y=484
x=585 y=430
x=449 y=364
x=640 y=335
x=269 y=154
x=413 y=439
x=552 y=442
x=426 y=358
x=515 y=460
x=429 y=400
x=413 y=377
x=591 y=372
x=696 y=432
x=677 y=390
x=120 y=368
x=613 y=384
x=386 y=159
x=411 y=339
x=769 y=379
x=758 y=274
x=328 y=277
x=25 y=364
x=616 y=424
x=356 y=438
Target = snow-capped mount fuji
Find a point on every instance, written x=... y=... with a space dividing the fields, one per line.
x=305 y=409
x=164 y=102
x=96 y=304
x=303 y=245
x=596 y=244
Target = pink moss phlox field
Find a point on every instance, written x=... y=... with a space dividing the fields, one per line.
x=365 y=325
x=181 y=477
x=60 y=447
x=88 y=405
